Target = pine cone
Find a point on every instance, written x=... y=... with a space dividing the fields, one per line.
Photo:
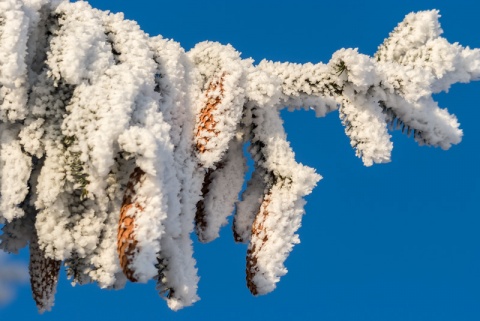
x=248 y=207
x=126 y=242
x=206 y=127
x=201 y=215
x=43 y=276
x=204 y=131
x=259 y=233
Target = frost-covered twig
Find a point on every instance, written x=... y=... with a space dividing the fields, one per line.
x=115 y=146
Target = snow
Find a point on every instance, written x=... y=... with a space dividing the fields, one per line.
x=13 y=69
x=87 y=98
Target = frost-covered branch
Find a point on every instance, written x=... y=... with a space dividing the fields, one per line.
x=116 y=146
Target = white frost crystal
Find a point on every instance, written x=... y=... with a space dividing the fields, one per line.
x=116 y=146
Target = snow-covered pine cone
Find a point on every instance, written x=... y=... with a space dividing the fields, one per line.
x=43 y=276
x=201 y=222
x=258 y=239
x=204 y=131
x=206 y=126
x=126 y=242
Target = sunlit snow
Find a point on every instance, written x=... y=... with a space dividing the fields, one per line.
x=116 y=146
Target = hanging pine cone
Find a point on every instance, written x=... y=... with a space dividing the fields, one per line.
x=206 y=126
x=258 y=239
x=81 y=100
x=43 y=276
x=126 y=242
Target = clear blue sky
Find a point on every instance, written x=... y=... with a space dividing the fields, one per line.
x=392 y=242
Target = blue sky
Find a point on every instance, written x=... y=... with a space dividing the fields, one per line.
x=397 y=241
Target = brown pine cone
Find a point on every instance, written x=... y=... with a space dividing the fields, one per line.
x=205 y=127
x=259 y=233
x=43 y=276
x=126 y=242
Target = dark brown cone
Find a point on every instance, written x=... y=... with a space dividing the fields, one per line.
x=43 y=276
x=258 y=229
x=126 y=242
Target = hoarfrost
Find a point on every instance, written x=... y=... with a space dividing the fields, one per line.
x=116 y=146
